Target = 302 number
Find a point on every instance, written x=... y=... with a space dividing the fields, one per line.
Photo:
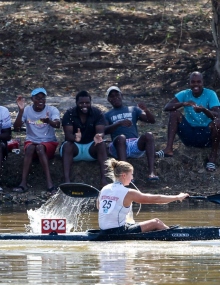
x=53 y=225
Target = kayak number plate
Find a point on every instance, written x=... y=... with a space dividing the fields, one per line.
x=53 y=225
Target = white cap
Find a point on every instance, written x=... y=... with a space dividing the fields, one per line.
x=112 y=88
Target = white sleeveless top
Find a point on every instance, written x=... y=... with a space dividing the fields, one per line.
x=112 y=213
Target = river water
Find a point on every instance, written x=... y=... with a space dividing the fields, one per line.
x=122 y=262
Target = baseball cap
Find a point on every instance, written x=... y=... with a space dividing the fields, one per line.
x=38 y=90
x=112 y=88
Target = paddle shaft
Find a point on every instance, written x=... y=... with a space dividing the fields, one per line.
x=212 y=198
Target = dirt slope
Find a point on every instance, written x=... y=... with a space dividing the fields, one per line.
x=147 y=48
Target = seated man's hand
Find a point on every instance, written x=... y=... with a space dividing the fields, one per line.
x=142 y=106
x=78 y=135
x=98 y=138
x=125 y=123
x=198 y=109
x=45 y=120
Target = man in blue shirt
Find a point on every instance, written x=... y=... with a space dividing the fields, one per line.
x=200 y=124
x=122 y=126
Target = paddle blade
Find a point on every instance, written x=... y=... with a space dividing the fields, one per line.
x=214 y=198
x=79 y=190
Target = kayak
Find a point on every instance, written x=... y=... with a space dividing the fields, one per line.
x=175 y=233
x=55 y=229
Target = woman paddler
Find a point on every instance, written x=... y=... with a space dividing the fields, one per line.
x=115 y=202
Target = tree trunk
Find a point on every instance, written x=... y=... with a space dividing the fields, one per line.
x=216 y=32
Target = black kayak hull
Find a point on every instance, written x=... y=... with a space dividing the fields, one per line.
x=173 y=234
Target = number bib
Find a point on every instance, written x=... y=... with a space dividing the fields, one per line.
x=107 y=206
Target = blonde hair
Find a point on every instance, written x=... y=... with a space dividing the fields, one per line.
x=116 y=168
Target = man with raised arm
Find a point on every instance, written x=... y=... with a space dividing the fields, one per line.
x=122 y=126
x=40 y=120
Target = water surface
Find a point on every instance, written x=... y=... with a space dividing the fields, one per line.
x=122 y=262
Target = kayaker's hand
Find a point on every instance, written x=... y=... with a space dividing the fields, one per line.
x=182 y=196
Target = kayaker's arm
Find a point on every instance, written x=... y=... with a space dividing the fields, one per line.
x=138 y=197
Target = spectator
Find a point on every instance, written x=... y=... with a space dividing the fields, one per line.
x=40 y=120
x=122 y=126
x=83 y=127
x=200 y=124
x=5 y=135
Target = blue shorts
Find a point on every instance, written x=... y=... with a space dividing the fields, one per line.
x=83 y=152
x=131 y=149
x=194 y=136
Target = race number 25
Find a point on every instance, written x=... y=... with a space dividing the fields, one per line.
x=53 y=225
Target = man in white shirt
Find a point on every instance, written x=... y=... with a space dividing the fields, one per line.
x=41 y=143
x=5 y=135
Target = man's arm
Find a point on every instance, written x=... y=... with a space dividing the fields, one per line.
x=213 y=113
x=100 y=129
x=18 y=121
x=53 y=124
x=69 y=133
x=148 y=117
x=99 y=135
x=174 y=104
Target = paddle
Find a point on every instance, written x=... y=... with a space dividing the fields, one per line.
x=212 y=198
x=79 y=190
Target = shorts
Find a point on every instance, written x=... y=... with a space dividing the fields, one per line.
x=194 y=136
x=126 y=229
x=83 y=152
x=131 y=149
x=49 y=146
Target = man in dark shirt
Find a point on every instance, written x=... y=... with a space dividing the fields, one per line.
x=83 y=127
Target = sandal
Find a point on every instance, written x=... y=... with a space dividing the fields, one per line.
x=153 y=178
x=210 y=166
x=162 y=154
x=20 y=189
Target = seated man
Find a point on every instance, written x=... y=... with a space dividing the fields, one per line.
x=40 y=120
x=5 y=135
x=200 y=124
x=122 y=126
x=83 y=127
